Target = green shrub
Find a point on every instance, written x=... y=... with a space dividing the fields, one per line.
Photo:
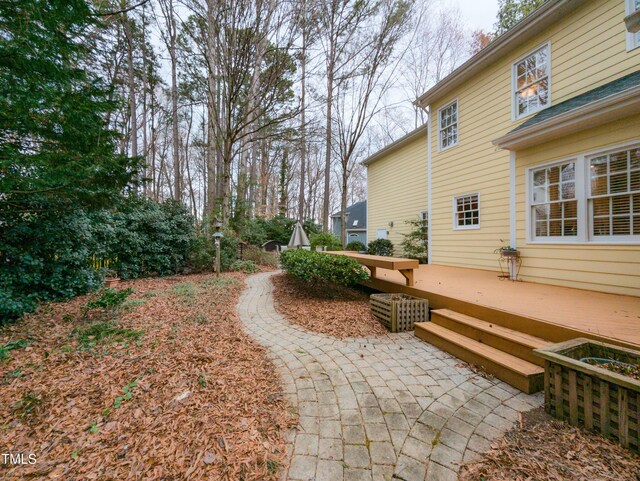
x=109 y=298
x=355 y=246
x=380 y=247
x=325 y=239
x=43 y=257
x=316 y=267
x=414 y=244
x=248 y=267
x=203 y=253
x=144 y=238
x=260 y=257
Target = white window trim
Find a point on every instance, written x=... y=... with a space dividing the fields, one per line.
x=514 y=80
x=449 y=104
x=633 y=39
x=582 y=196
x=454 y=206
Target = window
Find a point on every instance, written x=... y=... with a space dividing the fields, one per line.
x=633 y=39
x=466 y=212
x=355 y=223
x=448 y=127
x=554 y=206
x=531 y=82
x=615 y=194
x=594 y=197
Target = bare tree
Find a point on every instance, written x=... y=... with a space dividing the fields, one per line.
x=438 y=46
x=369 y=79
x=169 y=33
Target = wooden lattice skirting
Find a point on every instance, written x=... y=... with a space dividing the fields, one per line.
x=590 y=396
x=399 y=312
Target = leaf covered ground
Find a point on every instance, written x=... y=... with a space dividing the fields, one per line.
x=167 y=387
x=328 y=309
x=542 y=448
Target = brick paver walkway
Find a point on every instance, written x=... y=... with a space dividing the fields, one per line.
x=384 y=408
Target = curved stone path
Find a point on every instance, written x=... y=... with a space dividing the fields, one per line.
x=385 y=408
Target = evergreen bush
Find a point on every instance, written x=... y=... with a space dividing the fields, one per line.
x=380 y=247
x=316 y=267
x=355 y=246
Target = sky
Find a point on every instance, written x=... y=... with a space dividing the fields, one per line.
x=478 y=14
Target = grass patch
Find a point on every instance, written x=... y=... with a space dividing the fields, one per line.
x=10 y=346
x=186 y=291
x=89 y=336
x=219 y=282
x=109 y=298
x=131 y=304
x=27 y=406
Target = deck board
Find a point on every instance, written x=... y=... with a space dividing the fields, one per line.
x=610 y=317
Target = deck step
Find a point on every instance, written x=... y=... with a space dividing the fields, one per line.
x=513 y=342
x=526 y=376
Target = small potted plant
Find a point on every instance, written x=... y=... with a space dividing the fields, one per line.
x=111 y=278
x=507 y=251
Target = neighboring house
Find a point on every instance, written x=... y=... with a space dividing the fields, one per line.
x=533 y=142
x=356 y=223
x=396 y=183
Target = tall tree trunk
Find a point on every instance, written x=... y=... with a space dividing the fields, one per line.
x=303 y=126
x=174 y=110
x=211 y=191
x=328 y=136
x=132 y=86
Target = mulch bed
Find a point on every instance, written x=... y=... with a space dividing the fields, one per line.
x=191 y=398
x=332 y=310
x=542 y=448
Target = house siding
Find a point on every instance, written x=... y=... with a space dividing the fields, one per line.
x=588 y=49
x=607 y=267
x=397 y=190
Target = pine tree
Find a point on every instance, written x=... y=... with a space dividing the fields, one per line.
x=510 y=12
x=54 y=142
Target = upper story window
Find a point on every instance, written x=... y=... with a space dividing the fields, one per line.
x=466 y=211
x=531 y=82
x=448 y=125
x=632 y=10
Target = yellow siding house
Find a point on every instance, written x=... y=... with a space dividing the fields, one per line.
x=397 y=176
x=534 y=142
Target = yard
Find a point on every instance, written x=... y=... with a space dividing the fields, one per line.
x=164 y=386
x=163 y=378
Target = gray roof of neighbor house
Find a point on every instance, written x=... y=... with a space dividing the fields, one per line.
x=545 y=15
x=620 y=85
x=356 y=213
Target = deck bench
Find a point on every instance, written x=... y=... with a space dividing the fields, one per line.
x=402 y=265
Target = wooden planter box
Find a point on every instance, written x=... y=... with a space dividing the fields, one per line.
x=591 y=396
x=399 y=312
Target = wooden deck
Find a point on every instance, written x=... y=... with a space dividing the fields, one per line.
x=553 y=313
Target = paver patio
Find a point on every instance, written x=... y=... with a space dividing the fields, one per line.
x=390 y=407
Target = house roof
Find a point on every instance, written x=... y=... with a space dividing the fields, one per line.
x=599 y=93
x=396 y=145
x=614 y=100
x=548 y=13
x=355 y=213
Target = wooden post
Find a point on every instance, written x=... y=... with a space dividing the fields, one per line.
x=588 y=403
x=604 y=407
x=573 y=398
x=217 y=256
